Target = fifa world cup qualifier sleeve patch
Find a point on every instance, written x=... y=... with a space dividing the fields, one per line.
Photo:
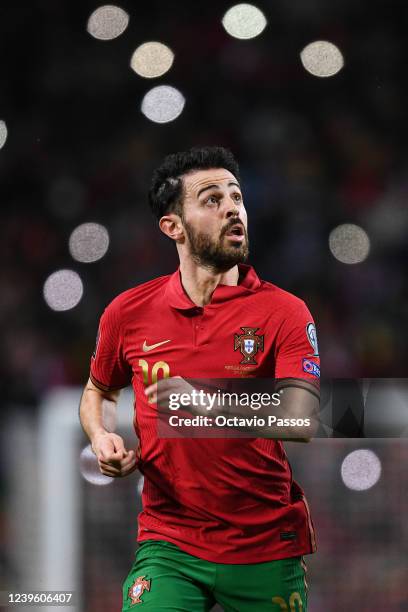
x=310 y=367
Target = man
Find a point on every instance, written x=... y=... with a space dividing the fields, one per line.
x=222 y=519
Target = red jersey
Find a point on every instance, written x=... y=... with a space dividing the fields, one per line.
x=223 y=500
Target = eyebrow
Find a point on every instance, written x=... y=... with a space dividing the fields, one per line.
x=232 y=183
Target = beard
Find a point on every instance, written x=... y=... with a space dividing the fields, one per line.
x=216 y=254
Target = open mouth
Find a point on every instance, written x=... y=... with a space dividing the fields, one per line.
x=236 y=230
x=236 y=234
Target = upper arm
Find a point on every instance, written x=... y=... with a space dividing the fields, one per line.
x=109 y=369
x=297 y=369
x=109 y=395
x=297 y=360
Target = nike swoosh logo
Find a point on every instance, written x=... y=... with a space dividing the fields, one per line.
x=149 y=347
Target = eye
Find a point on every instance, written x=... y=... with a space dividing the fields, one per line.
x=237 y=197
x=212 y=199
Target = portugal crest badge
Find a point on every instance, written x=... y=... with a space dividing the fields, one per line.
x=249 y=344
x=137 y=589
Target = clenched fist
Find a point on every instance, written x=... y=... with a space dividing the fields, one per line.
x=113 y=459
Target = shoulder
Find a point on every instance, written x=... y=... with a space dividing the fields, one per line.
x=281 y=299
x=287 y=312
x=138 y=296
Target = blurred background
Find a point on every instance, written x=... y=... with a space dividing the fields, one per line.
x=311 y=97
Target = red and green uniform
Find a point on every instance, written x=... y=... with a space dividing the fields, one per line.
x=165 y=578
x=242 y=506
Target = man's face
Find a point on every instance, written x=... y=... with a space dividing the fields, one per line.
x=215 y=219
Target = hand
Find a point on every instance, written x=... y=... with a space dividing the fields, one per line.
x=161 y=391
x=113 y=459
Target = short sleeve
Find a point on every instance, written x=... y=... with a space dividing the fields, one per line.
x=109 y=369
x=297 y=353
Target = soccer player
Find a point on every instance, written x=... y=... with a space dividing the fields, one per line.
x=223 y=520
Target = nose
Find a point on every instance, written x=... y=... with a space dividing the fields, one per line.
x=232 y=210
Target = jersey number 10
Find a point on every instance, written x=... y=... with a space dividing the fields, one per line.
x=162 y=366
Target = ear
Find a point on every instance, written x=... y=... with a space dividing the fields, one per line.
x=171 y=226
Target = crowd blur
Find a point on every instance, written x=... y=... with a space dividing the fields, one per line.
x=314 y=153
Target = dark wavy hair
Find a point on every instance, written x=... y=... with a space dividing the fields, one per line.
x=166 y=189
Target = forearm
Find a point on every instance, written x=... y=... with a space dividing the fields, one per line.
x=284 y=433
x=91 y=410
x=291 y=414
x=303 y=440
x=291 y=418
x=113 y=458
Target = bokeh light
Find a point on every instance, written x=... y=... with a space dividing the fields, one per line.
x=163 y=104
x=3 y=133
x=63 y=290
x=152 y=59
x=349 y=243
x=89 y=242
x=322 y=58
x=107 y=22
x=89 y=468
x=361 y=470
x=244 y=21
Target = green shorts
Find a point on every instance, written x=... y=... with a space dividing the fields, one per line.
x=164 y=578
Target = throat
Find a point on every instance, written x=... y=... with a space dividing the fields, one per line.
x=200 y=284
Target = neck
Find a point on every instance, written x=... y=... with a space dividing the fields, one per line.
x=200 y=283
